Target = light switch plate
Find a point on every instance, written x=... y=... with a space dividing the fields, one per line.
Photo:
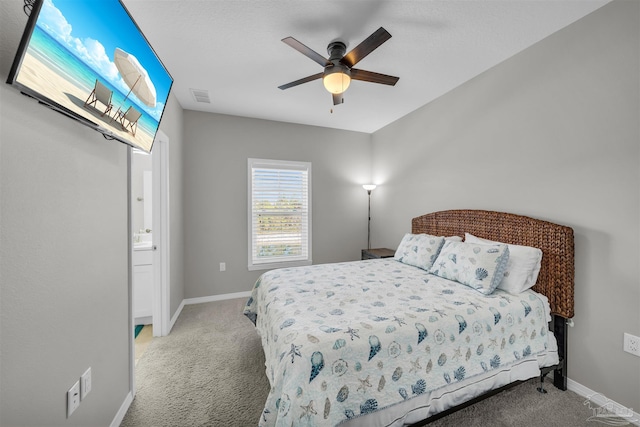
x=73 y=398
x=85 y=384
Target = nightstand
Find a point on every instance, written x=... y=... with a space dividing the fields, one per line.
x=377 y=253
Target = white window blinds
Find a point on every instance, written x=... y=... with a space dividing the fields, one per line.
x=279 y=213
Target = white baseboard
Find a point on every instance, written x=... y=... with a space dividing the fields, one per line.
x=175 y=316
x=200 y=300
x=597 y=402
x=222 y=297
x=117 y=420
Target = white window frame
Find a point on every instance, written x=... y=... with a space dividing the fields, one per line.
x=306 y=259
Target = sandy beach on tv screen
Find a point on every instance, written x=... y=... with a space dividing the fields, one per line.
x=38 y=76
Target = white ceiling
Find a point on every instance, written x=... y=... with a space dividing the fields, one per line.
x=233 y=49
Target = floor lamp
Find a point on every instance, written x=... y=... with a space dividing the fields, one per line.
x=369 y=188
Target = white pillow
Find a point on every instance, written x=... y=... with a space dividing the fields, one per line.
x=522 y=268
x=419 y=250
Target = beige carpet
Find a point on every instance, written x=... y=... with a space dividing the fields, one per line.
x=210 y=372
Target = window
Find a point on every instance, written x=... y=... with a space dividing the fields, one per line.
x=279 y=214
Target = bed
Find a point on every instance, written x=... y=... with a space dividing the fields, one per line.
x=388 y=342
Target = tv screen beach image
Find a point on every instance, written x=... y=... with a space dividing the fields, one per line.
x=90 y=58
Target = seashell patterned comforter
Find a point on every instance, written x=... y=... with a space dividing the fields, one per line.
x=346 y=339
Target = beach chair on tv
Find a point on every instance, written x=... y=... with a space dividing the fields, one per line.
x=100 y=93
x=131 y=116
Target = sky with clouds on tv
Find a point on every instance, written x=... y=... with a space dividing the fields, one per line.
x=92 y=30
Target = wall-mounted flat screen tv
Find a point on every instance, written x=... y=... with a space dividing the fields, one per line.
x=89 y=60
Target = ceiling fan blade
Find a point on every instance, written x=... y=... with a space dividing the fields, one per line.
x=370 y=76
x=337 y=99
x=306 y=51
x=300 y=81
x=366 y=47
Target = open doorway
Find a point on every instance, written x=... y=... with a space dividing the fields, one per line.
x=149 y=218
x=143 y=243
x=150 y=231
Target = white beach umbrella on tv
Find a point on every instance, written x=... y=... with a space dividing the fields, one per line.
x=135 y=76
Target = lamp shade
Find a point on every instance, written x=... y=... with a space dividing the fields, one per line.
x=369 y=187
x=336 y=79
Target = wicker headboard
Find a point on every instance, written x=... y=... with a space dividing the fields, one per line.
x=556 y=278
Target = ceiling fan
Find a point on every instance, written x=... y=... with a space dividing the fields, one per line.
x=338 y=69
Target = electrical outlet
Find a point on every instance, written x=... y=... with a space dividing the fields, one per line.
x=631 y=344
x=73 y=398
x=85 y=384
x=223 y=266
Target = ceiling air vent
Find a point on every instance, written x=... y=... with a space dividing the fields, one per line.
x=201 y=95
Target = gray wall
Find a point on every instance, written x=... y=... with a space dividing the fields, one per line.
x=216 y=152
x=64 y=264
x=64 y=259
x=64 y=290
x=551 y=133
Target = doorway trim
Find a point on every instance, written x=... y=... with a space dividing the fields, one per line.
x=161 y=235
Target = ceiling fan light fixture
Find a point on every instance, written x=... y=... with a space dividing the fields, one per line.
x=336 y=79
x=338 y=68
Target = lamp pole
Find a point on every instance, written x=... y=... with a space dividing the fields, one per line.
x=369 y=222
x=369 y=188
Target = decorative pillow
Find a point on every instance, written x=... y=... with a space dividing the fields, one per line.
x=419 y=250
x=479 y=266
x=522 y=268
x=453 y=238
